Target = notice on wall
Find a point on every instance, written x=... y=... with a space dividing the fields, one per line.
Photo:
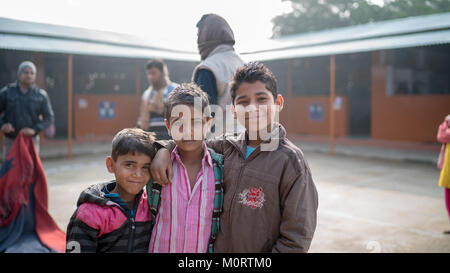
x=337 y=103
x=106 y=110
x=316 y=112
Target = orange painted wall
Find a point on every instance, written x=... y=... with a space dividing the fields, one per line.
x=295 y=116
x=404 y=117
x=88 y=123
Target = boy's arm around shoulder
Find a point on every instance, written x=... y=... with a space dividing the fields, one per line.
x=299 y=203
x=161 y=167
x=216 y=144
x=80 y=236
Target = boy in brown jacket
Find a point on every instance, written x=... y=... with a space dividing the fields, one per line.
x=270 y=202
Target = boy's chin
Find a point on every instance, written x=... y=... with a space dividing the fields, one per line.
x=258 y=130
x=189 y=145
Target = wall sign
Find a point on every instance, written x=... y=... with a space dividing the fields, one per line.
x=316 y=112
x=106 y=110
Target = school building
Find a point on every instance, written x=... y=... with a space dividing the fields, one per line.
x=94 y=79
x=391 y=78
x=387 y=80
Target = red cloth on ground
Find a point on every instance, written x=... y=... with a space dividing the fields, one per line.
x=23 y=167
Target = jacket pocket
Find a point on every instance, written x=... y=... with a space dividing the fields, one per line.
x=256 y=189
x=34 y=104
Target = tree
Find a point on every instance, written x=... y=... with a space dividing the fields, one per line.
x=314 y=15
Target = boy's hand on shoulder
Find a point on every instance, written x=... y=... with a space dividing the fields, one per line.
x=161 y=167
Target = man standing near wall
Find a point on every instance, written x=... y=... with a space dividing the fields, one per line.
x=24 y=108
x=152 y=103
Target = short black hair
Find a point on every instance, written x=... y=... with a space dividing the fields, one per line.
x=133 y=140
x=157 y=63
x=185 y=94
x=253 y=72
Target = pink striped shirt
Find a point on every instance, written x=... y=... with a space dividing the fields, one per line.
x=183 y=224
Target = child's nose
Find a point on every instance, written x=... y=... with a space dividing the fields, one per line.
x=139 y=172
x=252 y=107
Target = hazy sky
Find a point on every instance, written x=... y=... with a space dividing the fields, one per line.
x=169 y=22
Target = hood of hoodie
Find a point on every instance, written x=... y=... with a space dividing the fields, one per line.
x=94 y=194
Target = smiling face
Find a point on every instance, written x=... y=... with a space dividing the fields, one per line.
x=132 y=172
x=255 y=107
x=188 y=130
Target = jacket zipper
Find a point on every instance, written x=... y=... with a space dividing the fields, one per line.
x=133 y=226
x=131 y=239
x=254 y=154
x=131 y=233
x=235 y=190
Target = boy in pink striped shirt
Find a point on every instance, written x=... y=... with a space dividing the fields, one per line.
x=189 y=209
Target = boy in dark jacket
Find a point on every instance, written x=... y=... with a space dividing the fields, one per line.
x=114 y=216
x=270 y=202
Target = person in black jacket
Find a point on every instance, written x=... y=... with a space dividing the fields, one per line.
x=24 y=108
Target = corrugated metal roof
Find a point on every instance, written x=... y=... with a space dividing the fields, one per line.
x=413 y=40
x=400 y=33
x=23 y=35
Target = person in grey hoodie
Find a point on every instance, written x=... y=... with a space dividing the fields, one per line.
x=219 y=63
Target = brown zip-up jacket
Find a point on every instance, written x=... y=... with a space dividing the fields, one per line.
x=270 y=202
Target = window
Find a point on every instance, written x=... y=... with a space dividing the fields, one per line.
x=279 y=69
x=311 y=76
x=9 y=63
x=101 y=75
x=417 y=71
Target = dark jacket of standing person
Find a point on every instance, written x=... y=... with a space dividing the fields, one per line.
x=23 y=110
x=219 y=60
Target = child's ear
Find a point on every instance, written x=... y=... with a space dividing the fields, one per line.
x=167 y=126
x=280 y=102
x=233 y=111
x=207 y=125
x=110 y=164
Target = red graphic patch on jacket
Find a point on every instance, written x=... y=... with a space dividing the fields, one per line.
x=252 y=197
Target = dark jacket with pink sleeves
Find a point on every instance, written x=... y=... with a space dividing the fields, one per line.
x=101 y=225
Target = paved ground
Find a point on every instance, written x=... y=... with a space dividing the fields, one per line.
x=366 y=205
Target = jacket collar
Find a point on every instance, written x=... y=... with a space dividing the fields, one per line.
x=221 y=48
x=277 y=134
x=95 y=194
x=17 y=86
